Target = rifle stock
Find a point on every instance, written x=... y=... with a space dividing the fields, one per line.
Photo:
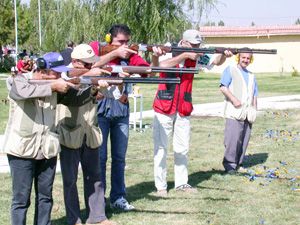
x=211 y=50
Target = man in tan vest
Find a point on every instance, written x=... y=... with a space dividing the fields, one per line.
x=80 y=141
x=31 y=140
x=240 y=90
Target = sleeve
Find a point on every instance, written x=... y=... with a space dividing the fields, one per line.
x=21 y=89
x=255 y=93
x=226 y=78
x=136 y=60
x=76 y=97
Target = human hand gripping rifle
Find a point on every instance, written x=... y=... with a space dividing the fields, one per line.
x=104 y=49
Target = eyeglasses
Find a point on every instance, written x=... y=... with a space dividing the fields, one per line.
x=122 y=42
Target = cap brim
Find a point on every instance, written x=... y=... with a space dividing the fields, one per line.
x=60 y=69
x=194 y=41
x=91 y=59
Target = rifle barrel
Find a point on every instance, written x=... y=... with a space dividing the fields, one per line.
x=132 y=80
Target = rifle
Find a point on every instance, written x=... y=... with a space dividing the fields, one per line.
x=93 y=80
x=136 y=69
x=104 y=49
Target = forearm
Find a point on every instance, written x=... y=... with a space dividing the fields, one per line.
x=173 y=61
x=219 y=60
x=104 y=59
x=21 y=90
x=229 y=96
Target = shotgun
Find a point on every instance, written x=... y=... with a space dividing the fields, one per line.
x=75 y=72
x=104 y=49
x=93 y=80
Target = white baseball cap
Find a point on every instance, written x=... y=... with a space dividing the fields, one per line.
x=85 y=53
x=192 y=36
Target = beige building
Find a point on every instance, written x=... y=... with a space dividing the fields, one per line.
x=286 y=39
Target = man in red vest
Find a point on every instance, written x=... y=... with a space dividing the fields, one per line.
x=173 y=107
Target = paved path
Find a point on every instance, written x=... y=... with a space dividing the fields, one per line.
x=208 y=109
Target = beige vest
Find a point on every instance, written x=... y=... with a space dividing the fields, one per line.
x=244 y=93
x=30 y=131
x=76 y=122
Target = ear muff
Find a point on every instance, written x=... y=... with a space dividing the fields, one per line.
x=108 y=38
x=237 y=58
x=41 y=63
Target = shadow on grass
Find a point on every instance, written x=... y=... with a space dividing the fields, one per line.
x=254 y=159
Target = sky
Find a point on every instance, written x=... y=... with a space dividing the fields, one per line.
x=244 y=12
x=261 y=12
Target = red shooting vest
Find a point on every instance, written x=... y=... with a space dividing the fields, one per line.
x=172 y=98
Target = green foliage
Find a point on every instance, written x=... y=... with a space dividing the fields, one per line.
x=7 y=63
x=297 y=21
x=221 y=23
x=151 y=21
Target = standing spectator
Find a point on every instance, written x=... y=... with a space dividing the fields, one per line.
x=66 y=53
x=239 y=87
x=23 y=64
x=173 y=107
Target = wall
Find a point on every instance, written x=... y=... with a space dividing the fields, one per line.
x=288 y=50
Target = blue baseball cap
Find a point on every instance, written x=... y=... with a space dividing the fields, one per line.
x=54 y=61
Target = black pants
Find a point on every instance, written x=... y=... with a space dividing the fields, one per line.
x=93 y=187
x=24 y=172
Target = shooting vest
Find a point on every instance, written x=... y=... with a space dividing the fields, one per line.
x=243 y=93
x=77 y=123
x=30 y=131
x=172 y=98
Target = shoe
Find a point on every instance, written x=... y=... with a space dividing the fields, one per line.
x=231 y=172
x=186 y=188
x=161 y=193
x=104 y=222
x=122 y=204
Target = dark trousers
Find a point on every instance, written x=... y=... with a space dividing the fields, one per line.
x=24 y=172
x=236 y=139
x=93 y=188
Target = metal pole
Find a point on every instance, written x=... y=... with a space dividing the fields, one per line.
x=16 y=32
x=40 y=29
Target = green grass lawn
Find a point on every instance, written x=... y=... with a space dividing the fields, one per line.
x=221 y=199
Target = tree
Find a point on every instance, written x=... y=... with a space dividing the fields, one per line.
x=151 y=21
x=252 y=24
x=297 y=22
x=221 y=23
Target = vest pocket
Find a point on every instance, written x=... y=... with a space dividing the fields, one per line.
x=22 y=145
x=71 y=138
x=93 y=136
x=187 y=106
x=251 y=114
x=164 y=100
x=51 y=148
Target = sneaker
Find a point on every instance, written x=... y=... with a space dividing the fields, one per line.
x=186 y=188
x=104 y=222
x=122 y=204
x=231 y=172
x=161 y=193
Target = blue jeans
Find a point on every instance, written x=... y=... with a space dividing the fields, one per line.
x=118 y=128
x=24 y=173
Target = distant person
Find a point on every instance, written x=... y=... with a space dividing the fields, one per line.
x=23 y=64
x=66 y=53
x=240 y=90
